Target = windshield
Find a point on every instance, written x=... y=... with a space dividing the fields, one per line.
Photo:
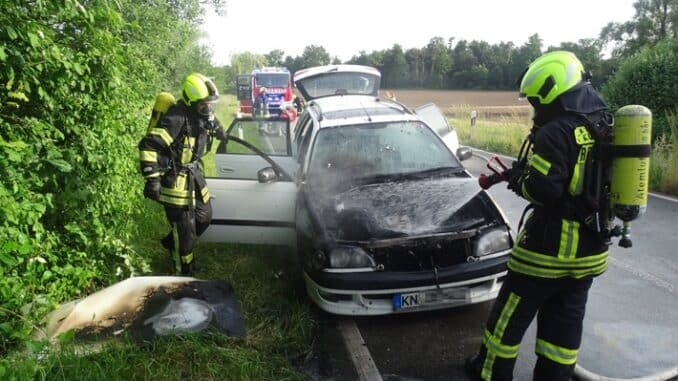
x=272 y=80
x=365 y=150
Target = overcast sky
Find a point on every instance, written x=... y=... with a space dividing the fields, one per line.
x=345 y=27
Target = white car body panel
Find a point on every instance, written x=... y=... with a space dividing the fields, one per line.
x=256 y=213
x=373 y=302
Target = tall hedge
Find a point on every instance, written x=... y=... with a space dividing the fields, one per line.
x=650 y=78
x=75 y=88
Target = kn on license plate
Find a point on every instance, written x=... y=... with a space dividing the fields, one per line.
x=416 y=299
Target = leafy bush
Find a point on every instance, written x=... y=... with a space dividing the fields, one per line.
x=649 y=78
x=76 y=85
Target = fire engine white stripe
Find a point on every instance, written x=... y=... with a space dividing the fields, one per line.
x=357 y=350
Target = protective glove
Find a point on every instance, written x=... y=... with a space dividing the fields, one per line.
x=152 y=189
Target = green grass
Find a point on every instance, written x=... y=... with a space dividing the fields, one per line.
x=280 y=324
x=280 y=319
x=664 y=163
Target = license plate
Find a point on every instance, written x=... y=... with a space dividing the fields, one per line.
x=416 y=299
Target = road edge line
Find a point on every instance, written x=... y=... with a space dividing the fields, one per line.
x=357 y=350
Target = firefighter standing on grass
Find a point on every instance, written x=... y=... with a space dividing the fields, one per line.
x=556 y=255
x=170 y=156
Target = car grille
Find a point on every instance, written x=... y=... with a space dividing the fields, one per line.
x=423 y=256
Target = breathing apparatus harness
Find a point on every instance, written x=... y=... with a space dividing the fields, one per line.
x=592 y=207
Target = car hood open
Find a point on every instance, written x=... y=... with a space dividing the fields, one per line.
x=405 y=208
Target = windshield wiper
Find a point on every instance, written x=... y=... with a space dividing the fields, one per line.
x=427 y=173
x=434 y=171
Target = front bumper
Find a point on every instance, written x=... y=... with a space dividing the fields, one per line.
x=373 y=293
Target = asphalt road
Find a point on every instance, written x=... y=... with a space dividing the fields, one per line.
x=630 y=329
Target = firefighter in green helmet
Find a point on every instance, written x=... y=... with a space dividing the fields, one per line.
x=170 y=158
x=559 y=251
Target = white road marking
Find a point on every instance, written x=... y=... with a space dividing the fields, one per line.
x=360 y=355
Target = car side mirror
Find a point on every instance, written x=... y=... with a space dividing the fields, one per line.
x=464 y=153
x=267 y=175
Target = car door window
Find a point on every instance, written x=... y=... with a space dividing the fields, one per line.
x=271 y=136
x=430 y=114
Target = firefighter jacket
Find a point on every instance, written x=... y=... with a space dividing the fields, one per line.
x=172 y=152
x=555 y=242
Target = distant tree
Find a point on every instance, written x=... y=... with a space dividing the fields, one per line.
x=523 y=55
x=654 y=21
x=439 y=62
x=415 y=61
x=589 y=52
x=650 y=78
x=361 y=59
x=336 y=60
x=315 y=55
x=293 y=63
x=395 y=68
x=275 y=57
x=245 y=62
x=459 y=76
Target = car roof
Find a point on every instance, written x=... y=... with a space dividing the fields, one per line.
x=357 y=109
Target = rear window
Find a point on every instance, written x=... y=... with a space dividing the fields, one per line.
x=339 y=84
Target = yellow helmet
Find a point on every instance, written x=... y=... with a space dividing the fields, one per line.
x=551 y=75
x=262 y=89
x=198 y=88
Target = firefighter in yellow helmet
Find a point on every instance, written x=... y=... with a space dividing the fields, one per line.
x=560 y=250
x=170 y=156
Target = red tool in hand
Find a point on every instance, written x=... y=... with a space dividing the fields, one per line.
x=500 y=173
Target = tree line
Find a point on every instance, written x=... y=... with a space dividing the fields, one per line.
x=461 y=64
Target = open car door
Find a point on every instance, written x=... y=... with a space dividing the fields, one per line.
x=254 y=194
x=431 y=114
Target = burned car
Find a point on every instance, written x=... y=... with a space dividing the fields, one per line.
x=382 y=213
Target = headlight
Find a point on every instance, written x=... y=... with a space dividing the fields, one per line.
x=350 y=257
x=493 y=241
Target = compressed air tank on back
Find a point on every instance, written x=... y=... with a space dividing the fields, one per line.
x=163 y=101
x=631 y=163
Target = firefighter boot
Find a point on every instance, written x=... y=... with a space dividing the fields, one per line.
x=187 y=265
x=168 y=242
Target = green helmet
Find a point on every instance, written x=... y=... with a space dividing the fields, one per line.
x=551 y=75
x=198 y=88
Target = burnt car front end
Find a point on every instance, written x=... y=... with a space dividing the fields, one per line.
x=401 y=245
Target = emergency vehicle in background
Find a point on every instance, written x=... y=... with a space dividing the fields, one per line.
x=278 y=84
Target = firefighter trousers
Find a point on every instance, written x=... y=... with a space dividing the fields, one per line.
x=187 y=225
x=559 y=305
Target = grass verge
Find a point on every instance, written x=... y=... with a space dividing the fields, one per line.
x=280 y=319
